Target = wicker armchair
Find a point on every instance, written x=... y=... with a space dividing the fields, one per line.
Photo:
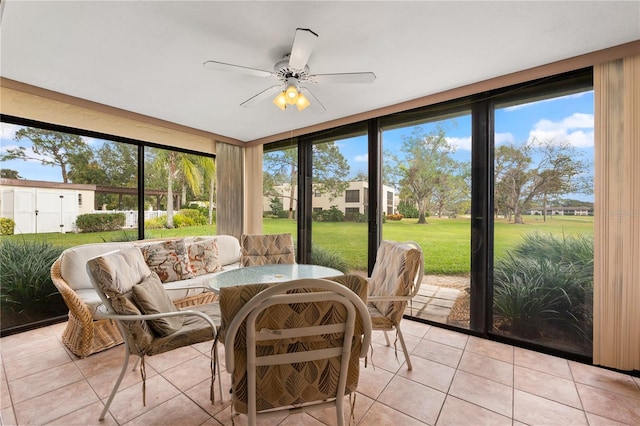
x=83 y=334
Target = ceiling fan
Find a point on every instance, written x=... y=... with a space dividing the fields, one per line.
x=293 y=72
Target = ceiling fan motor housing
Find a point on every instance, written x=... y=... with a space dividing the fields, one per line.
x=283 y=72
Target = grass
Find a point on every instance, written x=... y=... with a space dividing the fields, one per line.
x=445 y=242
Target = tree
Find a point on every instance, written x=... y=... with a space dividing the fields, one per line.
x=281 y=169
x=330 y=169
x=49 y=148
x=276 y=206
x=424 y=169
x=114 y=164
x=207 y=166
x=177 y=166
x=534 y=171
x=10 y=174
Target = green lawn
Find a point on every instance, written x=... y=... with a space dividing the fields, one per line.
x=446 y=242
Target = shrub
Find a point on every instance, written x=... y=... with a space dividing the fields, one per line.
x=156 y=222
x=180 y=221
x=100 y=222
x=7 y=226
x=408 y=210
x=194 y=216
x=204 y=211
x=25 y=268
x=324 y=257
x=331 y=215
x=355 y=217
x=546 y=281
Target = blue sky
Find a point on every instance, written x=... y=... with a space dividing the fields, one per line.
x=568 y=118
x=564 y=118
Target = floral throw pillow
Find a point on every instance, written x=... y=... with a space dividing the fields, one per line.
x=203 y=257
x=168 y=259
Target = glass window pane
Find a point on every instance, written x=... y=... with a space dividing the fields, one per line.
x=58 y=190
x=543 y=230
x=179 y=193
x=280 y=190
x=339 y=230
x=426 y=198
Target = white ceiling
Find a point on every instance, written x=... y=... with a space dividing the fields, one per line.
x=146 y=56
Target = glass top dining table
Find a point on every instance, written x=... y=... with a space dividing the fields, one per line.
x=269 y=274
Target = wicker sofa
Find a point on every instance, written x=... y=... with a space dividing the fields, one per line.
x=206 y=256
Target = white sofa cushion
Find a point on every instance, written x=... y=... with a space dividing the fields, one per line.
x=228 y=249
x=73 y=265
x=91 y=298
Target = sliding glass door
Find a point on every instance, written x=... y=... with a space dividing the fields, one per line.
x=426 y=190
x=543 y=224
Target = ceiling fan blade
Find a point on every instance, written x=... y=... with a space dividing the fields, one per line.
x=271 y=91
x=315 y=103
x=303 y=44
x=352 y=77
x=221 y=66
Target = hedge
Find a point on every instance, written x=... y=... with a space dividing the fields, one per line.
x=100 y=222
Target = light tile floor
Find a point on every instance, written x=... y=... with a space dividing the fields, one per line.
x=456 y=380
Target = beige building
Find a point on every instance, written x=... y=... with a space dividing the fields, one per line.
x=353 y=200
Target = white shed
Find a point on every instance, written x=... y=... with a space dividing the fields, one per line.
x=40 y=207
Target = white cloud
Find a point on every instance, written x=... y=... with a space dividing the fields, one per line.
x=4 y=147
x=362 y=158
x=460 y=143
x=501 y=138
x=576 y=129
x=8 y=131
x=92 y=141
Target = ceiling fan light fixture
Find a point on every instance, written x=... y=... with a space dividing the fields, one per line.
x=281 y=101
x=292 y=94
x=302 y=102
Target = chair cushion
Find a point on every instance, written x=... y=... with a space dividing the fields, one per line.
x=151 y=298
x=378 y=321
x=268 y=249
x=307 y=381
x=118 y=271
x=168 y=259
x=194 y=330
x=393 y=275
x=203 y=257
x=115 y=274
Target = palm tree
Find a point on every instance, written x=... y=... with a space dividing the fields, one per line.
x=177 y=165
x=207 y=167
